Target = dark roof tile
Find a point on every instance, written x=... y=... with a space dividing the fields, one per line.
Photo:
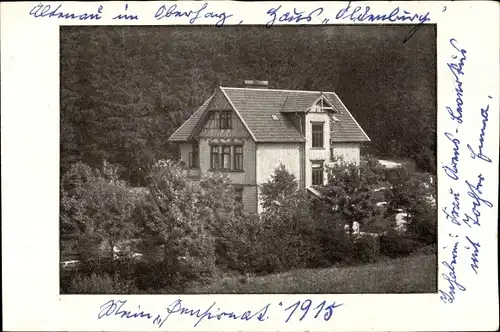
x=264 y=113
x=187 y=127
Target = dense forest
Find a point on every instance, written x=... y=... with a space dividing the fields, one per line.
x=125 y=90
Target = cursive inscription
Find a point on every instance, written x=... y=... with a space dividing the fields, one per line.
x=296 y=15
x=174 y=11
x=476 y=194
x=454 y=213
x=478 y=153
x=474 y=246
x=457 y=69
x=451 y=277
x=452 y=168
x=42 y=11
x=467 y=200
x=301 y=309
x=364 y=13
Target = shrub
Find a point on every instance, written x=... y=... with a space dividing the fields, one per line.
x=336 y=246
x=422 y=223
x=349 y=194
x=427 y=250
x=367 y=249
x=95 y=207
x=287 y=224
x=100 y=284
x=395 y=245
x=240 y=244
x=281 y=185
x=175 y=224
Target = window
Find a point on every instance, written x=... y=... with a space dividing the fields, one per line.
x=194 y=157
x=214 y=157
x=225 y=120
x=226 y=157
x=238 y=158
x=317 y=135
x=317 y=173
x=214 y=120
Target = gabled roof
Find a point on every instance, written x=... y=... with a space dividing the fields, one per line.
x=257 y=107
x=346 y=129
x=297 y=102
x=264 y=113
x=182 y=134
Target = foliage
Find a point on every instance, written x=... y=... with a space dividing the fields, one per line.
x=349 y=193
x=415 y=195
x=125 y=90
x=397 y=245
x=173 y=222
x=289 y=232
x=422 y=223
x=367 y=249
x=190 y=231
x=287 y=222
x=96 y=208
x=371 y=171
x=281 y=185
x=336 y=245
x=99 y=284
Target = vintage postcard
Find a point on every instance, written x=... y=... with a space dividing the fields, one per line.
x=250 y=166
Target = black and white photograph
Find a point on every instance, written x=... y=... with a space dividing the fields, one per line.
x=247 y=160
x=250 y=166
x=241 y=160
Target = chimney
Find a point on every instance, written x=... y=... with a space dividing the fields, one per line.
x=256 y=84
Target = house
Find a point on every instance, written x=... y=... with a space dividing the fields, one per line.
x=248 y=131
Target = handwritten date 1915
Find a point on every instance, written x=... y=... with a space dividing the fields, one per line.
x=301 y=309
x=305 y=306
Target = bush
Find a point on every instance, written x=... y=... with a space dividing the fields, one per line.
x=334 y=244
x=175 y=223
x=367 y=249
x=96 y=207
x=422 y=223
x=287 y=224
x=100 y=284
x=239 y=245
x=395 y=245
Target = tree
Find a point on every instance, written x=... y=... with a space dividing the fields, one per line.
x=174 y=220
x=279 y=187
x=287 y=221
x=349 y=193
x=415 y=195
x=125 y=90
x=95 y=208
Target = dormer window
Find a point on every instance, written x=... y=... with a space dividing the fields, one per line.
x=322 y=105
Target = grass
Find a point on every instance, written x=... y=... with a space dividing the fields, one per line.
x=413 y=274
